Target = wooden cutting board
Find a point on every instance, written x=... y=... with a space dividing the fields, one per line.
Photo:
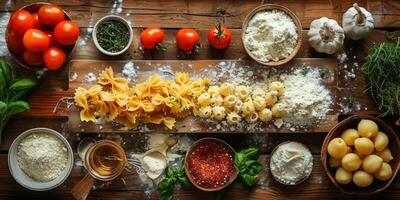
x=81 y=68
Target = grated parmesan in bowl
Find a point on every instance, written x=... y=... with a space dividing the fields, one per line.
x=40 y=159
x=271 y=34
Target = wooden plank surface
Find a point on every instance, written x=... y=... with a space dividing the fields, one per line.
x=172 y=15
x=191 y=124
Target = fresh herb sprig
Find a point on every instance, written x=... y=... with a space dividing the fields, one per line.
x=167 y=186
x=247 y=165
x=11 y=91
x=113 y=35
x=382 y=72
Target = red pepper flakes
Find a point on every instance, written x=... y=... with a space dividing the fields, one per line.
x=211 y=164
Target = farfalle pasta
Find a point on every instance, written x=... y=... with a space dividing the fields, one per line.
x=153 y=101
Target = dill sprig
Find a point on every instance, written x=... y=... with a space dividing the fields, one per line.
x=382 y=76
x=113 y=35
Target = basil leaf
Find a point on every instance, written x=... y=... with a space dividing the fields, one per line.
x=5 y=72
x=239 y=159
x=3 y=110
x=252 y=153
x=17 y=107
x=3 y=86
x=249 y=180
x=185 y=183
x=21 y=87
x=169 y=172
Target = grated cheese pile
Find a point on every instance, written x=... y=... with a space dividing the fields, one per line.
x=271 y=35
x=42 y=156
x=306 y=99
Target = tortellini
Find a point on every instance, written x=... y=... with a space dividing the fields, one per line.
x=233 y=118
x=253 y=104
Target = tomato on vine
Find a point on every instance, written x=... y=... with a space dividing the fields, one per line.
x=152 y=37
x=219 y=37
x=188 y=40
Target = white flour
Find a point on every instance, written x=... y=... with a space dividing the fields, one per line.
x=306 y=99
x=42 y=156
x=271 y=35
x=291 y=163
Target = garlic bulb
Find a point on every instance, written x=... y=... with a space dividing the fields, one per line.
x=325 y=35
x=357 y=22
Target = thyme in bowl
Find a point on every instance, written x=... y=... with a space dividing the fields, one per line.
x=112 y=35
x=382 y=77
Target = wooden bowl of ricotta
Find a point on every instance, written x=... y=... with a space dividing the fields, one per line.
x=271 y=34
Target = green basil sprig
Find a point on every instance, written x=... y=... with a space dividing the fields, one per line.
x=11 y=91
x=247 y=165
x=167 y=186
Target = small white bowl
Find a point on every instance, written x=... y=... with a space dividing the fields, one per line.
x=107 y=18
x=27 y=181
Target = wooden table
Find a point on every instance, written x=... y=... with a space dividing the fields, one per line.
x=201 y=14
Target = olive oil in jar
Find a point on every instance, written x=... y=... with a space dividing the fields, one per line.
x=106 y=160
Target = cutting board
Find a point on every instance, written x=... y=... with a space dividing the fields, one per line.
x=79 y=69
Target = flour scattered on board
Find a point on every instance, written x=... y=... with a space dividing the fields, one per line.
x=130 y=71
x=306 y=98
x=90 y=77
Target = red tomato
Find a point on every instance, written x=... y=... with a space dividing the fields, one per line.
x=54 y=58
x=66 y=32
x=219 y=37
x=14 y=43
x=53 y=42
x=21 y=21
x=50 y=14
x=36 y=23
x=151 y=37
x=187 y=39
x=36 y=40
x=32 y=58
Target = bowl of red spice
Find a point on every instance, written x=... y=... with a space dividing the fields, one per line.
x=209 y=164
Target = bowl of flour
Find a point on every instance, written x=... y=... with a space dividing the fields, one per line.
x=40 y=159
x=271 y=34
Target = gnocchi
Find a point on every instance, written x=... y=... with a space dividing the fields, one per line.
x=349 y=136
x=342 y=176
x=362 y=179
x=367 y=128
x=337 y=148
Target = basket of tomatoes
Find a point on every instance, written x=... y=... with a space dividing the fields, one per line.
x=41 y=35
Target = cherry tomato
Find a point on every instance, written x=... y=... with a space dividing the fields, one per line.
x=66 y=32
x=53 y=42
x=21 y=21
x=36 y=23
x=54 y=58
x=219 y=37
x=50 y=14
x=187 y=39
x=14 y=43
x=36 y=40
x=33 y=59
x=151 y=37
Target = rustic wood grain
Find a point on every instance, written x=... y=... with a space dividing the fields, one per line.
x=172 y=15
x=202 y=14
x=317 y=186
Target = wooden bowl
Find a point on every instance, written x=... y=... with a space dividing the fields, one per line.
x=206 y=140
x=272 y=153
x=33 y=8
x=394 y=146
x=296 y=20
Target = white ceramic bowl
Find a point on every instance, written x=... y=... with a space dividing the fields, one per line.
x=25 y=180
x=107 y=18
